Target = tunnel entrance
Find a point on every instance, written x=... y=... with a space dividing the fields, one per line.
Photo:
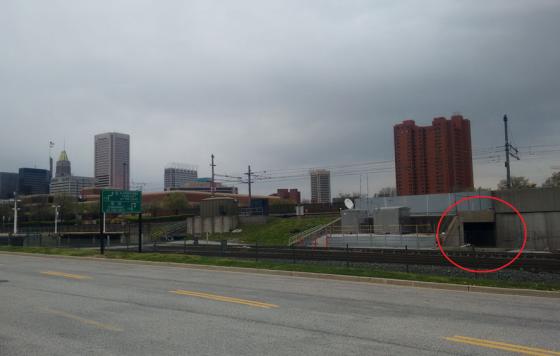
x=480 y=234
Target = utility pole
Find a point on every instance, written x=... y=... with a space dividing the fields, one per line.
x=249 y=181
x=212 y=186
x=56 y=207
x=508 y=151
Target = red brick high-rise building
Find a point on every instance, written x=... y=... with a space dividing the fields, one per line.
x=433 y=159
x=289 y=194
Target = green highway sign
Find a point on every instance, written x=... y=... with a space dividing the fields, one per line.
x=121 y=201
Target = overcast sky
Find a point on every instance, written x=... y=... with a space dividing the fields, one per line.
x=275 y=84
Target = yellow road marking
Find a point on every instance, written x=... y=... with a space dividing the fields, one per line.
x=502 y=346
x=222 y=298
x=83 y=320
x=66 y=275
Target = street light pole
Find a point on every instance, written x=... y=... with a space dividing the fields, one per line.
x=15 y=213
x=56 y=207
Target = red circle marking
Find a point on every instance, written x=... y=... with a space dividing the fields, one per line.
x=482 y=270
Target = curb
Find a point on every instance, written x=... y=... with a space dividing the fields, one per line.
x=325 y=276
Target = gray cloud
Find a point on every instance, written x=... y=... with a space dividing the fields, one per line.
x=275 y=84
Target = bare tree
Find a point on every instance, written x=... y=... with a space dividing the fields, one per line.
x=552 y=181
x=516 y=183
x=387 y=192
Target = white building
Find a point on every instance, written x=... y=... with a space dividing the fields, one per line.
x=70 y=185
x=320 y=186
x=177 y=175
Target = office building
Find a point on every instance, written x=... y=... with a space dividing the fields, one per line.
x=33 y=181
x=112 y=160
x=289 y=194
x=177 y=175
x=8 y=184
x=433 y=159
x=320 y=186
x=64 y=182
x=70 y=185
x=205 y=185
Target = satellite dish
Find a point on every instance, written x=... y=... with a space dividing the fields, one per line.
x=349 y=204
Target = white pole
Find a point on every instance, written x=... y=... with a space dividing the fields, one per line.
x=56 y=218
x=367 y=185
x=15 y=213
x=360 y=185
x=104 y=225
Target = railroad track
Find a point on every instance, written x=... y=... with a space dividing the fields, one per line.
x=537 y=262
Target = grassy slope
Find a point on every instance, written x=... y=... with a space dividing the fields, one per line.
x=353 y=271
x=276 y=231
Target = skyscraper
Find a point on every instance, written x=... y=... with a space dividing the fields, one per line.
x=433 y=159
x=64 y=182
x=8 y=184
x=112 y=160
x=33 y=181
x=63 y=167
x=320 y=186
x=177 y=175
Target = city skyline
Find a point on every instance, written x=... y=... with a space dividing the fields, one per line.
x=303 y=99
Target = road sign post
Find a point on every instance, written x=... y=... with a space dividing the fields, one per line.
x=121 y=201
x=113 y=201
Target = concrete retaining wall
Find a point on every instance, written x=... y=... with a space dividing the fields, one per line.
x=543 y=231
x=541 y=210
x=214 y=225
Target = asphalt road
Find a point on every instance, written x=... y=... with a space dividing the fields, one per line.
x=52 y=306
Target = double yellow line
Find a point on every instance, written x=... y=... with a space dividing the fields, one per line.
x=503 y=346
x=221 y=298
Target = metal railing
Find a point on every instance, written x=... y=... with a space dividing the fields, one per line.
x=164 y=232
x=311 y=233
x=377 y=236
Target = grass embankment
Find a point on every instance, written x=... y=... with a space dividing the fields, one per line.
x=276 y=232
x=286 y=266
